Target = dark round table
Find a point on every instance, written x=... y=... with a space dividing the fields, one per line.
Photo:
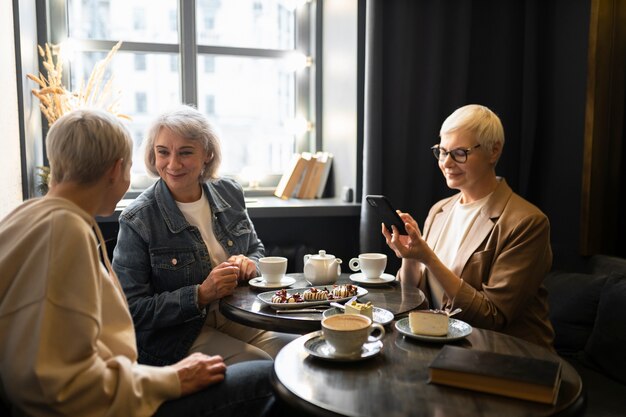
x=244 y=306
x=394 y=383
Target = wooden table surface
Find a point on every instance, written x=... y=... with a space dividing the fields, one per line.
x=394 y=383
x=244 y=307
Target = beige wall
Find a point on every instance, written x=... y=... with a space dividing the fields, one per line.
x=340 y=89
x=10 y=162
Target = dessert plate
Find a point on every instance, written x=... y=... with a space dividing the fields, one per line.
x=380 y=315
x=457 y=329
x=317 y=346
x=363 y=280
x=259 y=282
x=266 y=297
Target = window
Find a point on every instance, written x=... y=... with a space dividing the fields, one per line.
x=139 y=19
x=210 y=104
x=140 y=62
x=250 y=57
x=141 y=102
x=209 y=64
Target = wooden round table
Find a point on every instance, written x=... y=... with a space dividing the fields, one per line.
x=394 y=383
x=244 y=306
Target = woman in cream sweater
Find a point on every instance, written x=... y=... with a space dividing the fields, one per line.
x=68 y=342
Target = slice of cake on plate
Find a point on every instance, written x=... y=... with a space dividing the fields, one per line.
x=359 y=308
x=429 y=323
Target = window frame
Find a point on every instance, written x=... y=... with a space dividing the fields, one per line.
x=308 y=82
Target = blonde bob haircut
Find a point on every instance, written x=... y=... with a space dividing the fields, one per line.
x=478 y=120
x=189 y=123
x=83 y=144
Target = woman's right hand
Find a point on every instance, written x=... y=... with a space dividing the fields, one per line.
x=221 y=282
x=197 y=371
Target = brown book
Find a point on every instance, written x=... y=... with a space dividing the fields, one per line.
x=327 y=159
x=307 y=175
x=291 y=177
x=495 y=373
x=316 y=175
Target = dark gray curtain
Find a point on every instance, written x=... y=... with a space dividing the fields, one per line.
x=425 y=58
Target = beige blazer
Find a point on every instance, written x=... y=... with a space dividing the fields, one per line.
x=502 y=263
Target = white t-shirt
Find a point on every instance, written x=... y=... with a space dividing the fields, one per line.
x=197 y=214
x=454 y=232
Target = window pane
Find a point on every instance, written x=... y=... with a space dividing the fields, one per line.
x=137 y=20
x=252 y=104
x=268 y=24
x=144 y=94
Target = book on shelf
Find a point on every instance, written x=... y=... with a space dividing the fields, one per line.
x=302 y=191
x=305 y=177
x=291 y=177
x=325 y=160
x=495 y=373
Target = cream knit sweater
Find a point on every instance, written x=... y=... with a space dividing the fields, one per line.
x=67 y=339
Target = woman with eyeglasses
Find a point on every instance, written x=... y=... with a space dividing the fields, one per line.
x=485 y=250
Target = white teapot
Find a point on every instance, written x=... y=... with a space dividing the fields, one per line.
x=321 y=269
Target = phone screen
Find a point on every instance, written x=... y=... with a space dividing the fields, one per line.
x=386 y=212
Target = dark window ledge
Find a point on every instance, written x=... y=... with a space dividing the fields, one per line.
x=273 y=207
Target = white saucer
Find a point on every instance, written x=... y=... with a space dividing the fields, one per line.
x=382 y=280
x=317 y=346
x=259 y=282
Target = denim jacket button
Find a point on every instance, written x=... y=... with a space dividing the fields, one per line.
x=230 y=243
x=174 y=261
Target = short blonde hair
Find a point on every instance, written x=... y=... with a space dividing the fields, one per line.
x=190 y=124
x=478 y=120
x=83 y=144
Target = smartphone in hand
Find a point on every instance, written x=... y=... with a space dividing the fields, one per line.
x=386 y=212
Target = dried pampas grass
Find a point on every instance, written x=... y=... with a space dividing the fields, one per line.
x=55 y=100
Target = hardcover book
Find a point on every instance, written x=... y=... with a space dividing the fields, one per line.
x=495 y=373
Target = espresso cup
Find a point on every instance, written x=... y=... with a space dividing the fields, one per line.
x=273 y=268
x=371 y=264
x=346 y=333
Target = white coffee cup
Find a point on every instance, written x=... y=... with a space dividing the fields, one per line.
x=371 y=264
x=346 y=333
x=273 y=268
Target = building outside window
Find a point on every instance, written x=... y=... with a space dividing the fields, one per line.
x=251 y=59
x=141 y=102
x=140 y=62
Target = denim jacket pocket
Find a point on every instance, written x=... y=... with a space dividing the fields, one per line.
x=241 y=228
x=172 y=269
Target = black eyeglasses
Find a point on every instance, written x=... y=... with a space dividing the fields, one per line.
x=458 y=155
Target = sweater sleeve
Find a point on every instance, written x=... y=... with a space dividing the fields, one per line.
x=78 y=341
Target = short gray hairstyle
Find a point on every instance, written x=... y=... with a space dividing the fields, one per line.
x=192 y=125
x=83 y=144
x=484 y=124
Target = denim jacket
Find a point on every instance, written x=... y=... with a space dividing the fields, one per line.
x=160 y=259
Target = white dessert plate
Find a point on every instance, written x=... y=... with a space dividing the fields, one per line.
x=382 y=280
x=457 y=329
x=317 y=346
x=259 y=282
x=380 y=315
x=266 y=297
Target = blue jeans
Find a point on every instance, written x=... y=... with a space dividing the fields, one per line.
x=246 y=391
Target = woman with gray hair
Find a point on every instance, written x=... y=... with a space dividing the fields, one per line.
x=68 y=343
x=183 y=244
x=485 y=249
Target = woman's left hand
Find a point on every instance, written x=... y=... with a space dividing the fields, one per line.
x=410 y=246
x=247 y=267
